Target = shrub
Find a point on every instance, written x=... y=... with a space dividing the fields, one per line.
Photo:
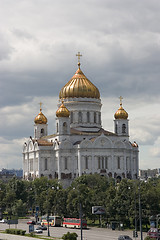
x=15 y=231
x=148 y=238
x=70 y=236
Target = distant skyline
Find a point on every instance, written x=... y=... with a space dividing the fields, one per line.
x=120 y=46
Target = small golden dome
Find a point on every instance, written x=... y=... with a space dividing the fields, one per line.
x=40 y=118
x=79 y=86
x=121 y=113
x=62 y=111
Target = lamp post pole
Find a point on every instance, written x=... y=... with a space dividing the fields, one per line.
x=80 y=211
x=140 y=212
x=80 y=215
x=48 y=212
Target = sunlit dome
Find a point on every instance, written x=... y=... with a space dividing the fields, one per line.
x=121 y=113
x=62 y=111
x=40 y=118
x=79 y=86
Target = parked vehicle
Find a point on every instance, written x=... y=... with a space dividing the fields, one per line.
x=54 y=221
x=74 y=223
x=31 y=222
x=124 y=237
x=3 y=221
x=38 y=231
x=154 y=233
x=42 y=227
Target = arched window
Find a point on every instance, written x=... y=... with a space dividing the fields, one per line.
x=118 y=163
x=106 y=163
x=57 y=127
x=71 y=117
x=123 y=128
x=99 y=116
x=65 y=163
x=86 y=162
x=99 y=163
x=102 y=162
x=95 y=117
x=45 y=164
x=64 y=127
x=42 y=132
x=88 y=117
x=79 y=117
x=116 y=128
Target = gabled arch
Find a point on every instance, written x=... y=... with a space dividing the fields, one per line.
x=103 y=142
x=128 y=145
x=36 y=147
x=86 y=144
x=66 y=144
x=30 y=146
x=119 y=144
x=25 y=147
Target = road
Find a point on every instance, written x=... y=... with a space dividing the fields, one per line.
x=89 y=234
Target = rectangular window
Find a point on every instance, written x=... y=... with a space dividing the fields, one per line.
x=118 y=162
x=46 y=164
x=106 y=163
x=65 y=163
x=86 y=162
x=102 y=160
x=31 y=164
x=99 y=163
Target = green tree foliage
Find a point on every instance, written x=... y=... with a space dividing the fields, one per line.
x=121 y=200
x=70 y=236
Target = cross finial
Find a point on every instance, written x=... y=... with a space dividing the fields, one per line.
x=79 y=55
x=40 y=106
x=120 y=100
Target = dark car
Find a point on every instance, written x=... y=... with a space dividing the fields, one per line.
x=124 y=237
x=31 y=222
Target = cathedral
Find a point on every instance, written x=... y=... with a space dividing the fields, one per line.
x=80 y=145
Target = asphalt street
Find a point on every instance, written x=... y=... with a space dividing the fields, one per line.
x=89 y=234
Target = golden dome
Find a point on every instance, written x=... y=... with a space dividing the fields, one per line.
x=40 y=118
x=62 y=111
x=121 y=113
x=79 y=86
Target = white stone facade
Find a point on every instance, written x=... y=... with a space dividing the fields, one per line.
x=81 y=146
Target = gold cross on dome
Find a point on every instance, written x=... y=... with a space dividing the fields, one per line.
x=78 y=55
x=121 y=100
x=40 y=106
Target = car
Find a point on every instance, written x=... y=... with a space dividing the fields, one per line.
x=3 y=221
x=38 y=231
x=42 y=227
x=31 y=222
x=124 y=237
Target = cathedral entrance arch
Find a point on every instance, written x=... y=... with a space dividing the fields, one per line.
x=118 y=179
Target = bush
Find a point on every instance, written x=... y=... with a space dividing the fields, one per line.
x=15 y=231
x=70 y=236
x=148 y=238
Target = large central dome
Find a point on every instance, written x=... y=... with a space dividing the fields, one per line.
x=79 y=87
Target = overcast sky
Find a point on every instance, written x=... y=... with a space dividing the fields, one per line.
x=120 y=44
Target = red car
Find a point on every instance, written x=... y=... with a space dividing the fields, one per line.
x=154 y=233
x=31 y=222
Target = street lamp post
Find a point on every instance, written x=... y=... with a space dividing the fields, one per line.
x=140 y=212
x=48 y=212
x=80 y=216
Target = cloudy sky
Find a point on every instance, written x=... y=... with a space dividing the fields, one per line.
x=120 y=44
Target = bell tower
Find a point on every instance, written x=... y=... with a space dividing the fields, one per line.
x=121 y=121
x=40 y=126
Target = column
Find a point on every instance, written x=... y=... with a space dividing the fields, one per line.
x=79 y=163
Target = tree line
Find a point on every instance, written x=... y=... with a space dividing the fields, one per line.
x=120 y=200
